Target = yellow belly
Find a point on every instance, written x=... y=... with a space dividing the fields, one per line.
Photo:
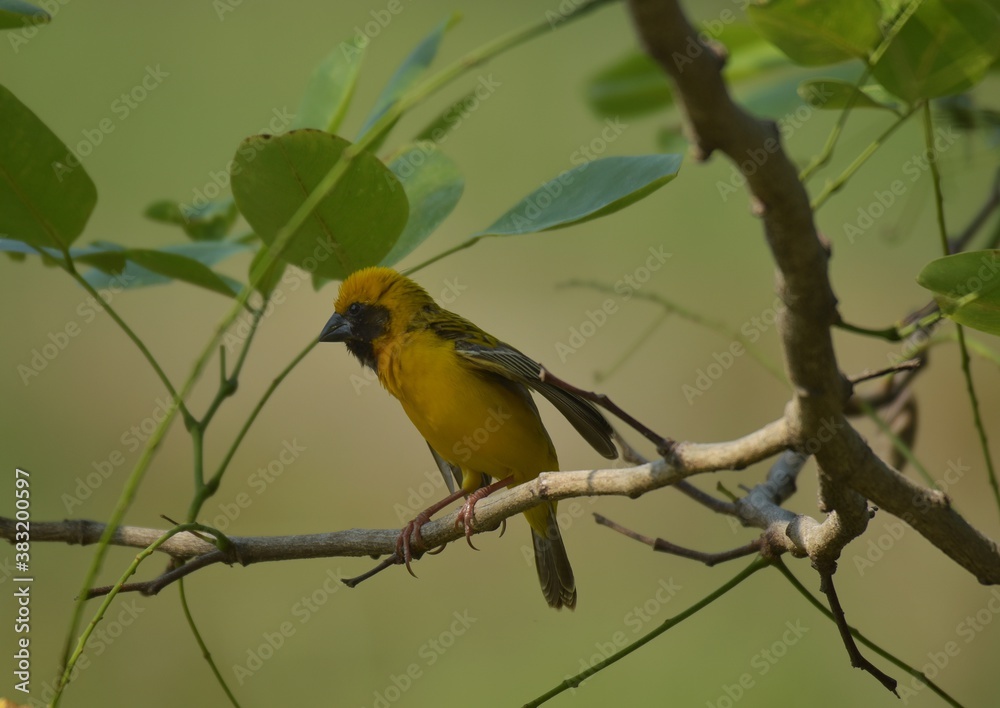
x=471 y=420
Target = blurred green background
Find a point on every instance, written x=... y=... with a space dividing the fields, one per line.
x=360 y=460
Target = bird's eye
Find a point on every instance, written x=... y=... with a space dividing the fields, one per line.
x=354 y=308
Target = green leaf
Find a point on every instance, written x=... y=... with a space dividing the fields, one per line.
x=330 y=89
x=178 y=267
x=631 y=86
x=205 y=253
x=589 y=191
x=265 y=286
x=433 y=187
x=354 y=226
x=407 y=75
x=318 y=281
x=15 y=14
x=46 y=196
x=449 y=119
x=777 y=97
x=966 y=287
x=107 y=257
x=834 y=94
x=964 y=112
x=116 y=264
x=819 y=32
x=209 y=222
x=945 y=47
x=670 y=139
x=751 y=59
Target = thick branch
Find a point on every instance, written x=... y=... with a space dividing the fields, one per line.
x=815 y=417
x=632 y=482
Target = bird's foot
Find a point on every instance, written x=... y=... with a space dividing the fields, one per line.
x=467 y=514
x=410 y=540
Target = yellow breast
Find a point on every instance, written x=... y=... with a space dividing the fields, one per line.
x=472 y=419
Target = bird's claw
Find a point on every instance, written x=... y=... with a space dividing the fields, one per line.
x=467 y=514
x=405 y=546
x=466 y=517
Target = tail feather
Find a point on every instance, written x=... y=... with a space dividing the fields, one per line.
x=554 y=571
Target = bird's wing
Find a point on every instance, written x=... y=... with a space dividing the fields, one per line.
x=452 y=473
x=504 y=360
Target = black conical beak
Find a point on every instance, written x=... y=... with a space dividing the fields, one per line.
x=337 y=329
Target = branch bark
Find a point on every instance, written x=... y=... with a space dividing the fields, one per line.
x=815 y=416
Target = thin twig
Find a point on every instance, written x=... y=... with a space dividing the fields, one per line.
x=790 y=577
x=858 y=660
x=575 y=681
x=663 y=445
x=958 y=243
x=663 y=546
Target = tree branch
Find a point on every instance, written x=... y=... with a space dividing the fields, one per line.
x=814 y=419
x=490 y=512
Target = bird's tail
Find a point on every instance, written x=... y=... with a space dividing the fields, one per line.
x=554 y=571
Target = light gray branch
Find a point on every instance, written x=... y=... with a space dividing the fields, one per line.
x=551 y=486
x=815 y=417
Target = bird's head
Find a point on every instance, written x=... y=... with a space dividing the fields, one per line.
x=374 y=304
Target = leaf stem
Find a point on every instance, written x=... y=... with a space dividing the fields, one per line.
x=206 y=654
x=70 y=267
x=275 y=250
x=669 y=623
x=890 y=334
x=946 y=247
x=784 y=570
x=213 y=483
x=444 y=254
x=837 y=184
x=106 y=603
x=897 y=442
x=831 y=141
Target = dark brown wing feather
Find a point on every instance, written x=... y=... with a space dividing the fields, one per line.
x=508 y=362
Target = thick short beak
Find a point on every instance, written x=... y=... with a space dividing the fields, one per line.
x=337 y=329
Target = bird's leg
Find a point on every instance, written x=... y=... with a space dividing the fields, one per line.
x=466 y=515
x=412 y=528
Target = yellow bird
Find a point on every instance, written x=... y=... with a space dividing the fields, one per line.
x=467 y=394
